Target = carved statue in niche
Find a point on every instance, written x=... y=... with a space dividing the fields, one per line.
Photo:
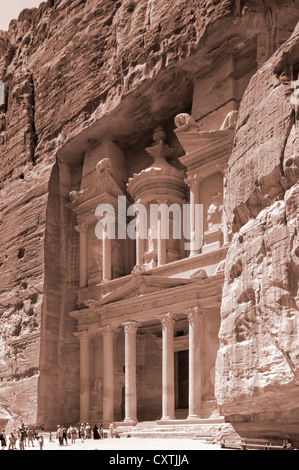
x=95 y=257
x=151 y=241
x=97 y=391
x=214 y=212
x=115 y=253
x=151 y=246
x=98 y=386
x=230 y=121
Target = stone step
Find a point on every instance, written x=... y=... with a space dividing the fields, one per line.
x=206 y=431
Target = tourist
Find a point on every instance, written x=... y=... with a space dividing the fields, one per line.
x=30 y=437
x=73 y=432
x=50 y=437
x=82 y=432
x=69 y=432
x=22 y=438
x=15 y=435
x=96 y=434
x=111 y=428
x=60 y=435
x=41 y=442
x=101 y=431
x=87 y=431
x=11 y=441
x=3 y=440
x=287 y=443
x=64 y=435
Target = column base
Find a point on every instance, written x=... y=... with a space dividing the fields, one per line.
x=193 y=417
x=167 y=418
x=129 y=422
x=192 y=255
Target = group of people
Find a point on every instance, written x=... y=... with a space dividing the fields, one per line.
x=83 y=431
x=25 y=436
x=288 y=443
x=20 y=438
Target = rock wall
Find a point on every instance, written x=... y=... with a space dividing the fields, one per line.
x=65 y=66
x=75 y=70
x=258 y=360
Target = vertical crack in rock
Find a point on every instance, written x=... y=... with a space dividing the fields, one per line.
x=30 y=137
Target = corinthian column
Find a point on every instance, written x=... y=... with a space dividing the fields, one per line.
x=106 y=255
x=195 y=387
x=162 y=231
x=108 y=374
x=130 y=329
x=195 y=219
x=140 y=242
x=82 y=229
x=84 y=376
x=168 y=391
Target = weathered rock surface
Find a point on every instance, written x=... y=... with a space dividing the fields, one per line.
x=258 y=361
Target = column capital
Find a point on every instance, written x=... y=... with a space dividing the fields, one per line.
x=192 y=180
x=109 y=331
x=194 y=314
x=83 y=336
x=223 y=169
x=82 y=228
x=166 y=319
x=162 y=200
x=131 y=326
x=141 y=338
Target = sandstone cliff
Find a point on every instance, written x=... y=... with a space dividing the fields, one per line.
x=258 y=361
x=76 y=69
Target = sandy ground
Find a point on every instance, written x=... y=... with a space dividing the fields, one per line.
x=127 y=444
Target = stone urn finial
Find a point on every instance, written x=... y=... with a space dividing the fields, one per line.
x=159 y=134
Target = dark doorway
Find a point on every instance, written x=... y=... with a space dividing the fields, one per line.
x=122 y=406
x=182 y=379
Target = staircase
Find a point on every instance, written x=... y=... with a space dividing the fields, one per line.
x=209 y=428
x=204 y=430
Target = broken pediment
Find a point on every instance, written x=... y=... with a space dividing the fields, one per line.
x=103 y=191
x=192 y=138
x=104 y=184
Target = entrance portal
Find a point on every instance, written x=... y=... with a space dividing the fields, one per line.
x=182 y=380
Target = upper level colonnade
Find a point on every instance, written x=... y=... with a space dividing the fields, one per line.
x=170 y=210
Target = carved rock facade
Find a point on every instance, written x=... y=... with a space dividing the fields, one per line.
x=95 y=91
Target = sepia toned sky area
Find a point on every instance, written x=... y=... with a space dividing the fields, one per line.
x=10 y=10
